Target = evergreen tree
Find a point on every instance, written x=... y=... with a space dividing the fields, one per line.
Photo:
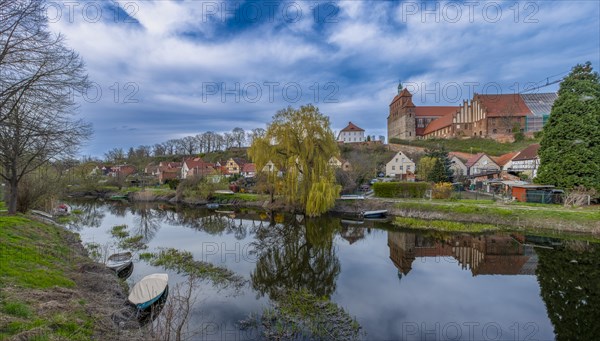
x=570 y=145
x=441 y=171
x=438 y=173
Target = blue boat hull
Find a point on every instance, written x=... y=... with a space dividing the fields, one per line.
x=146 y=305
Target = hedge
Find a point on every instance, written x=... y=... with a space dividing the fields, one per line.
x=401 y=189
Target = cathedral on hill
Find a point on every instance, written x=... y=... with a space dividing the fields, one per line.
x=497 y=116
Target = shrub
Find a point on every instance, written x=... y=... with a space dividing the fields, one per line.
x=172 y=183
x=400 y=189
x=441 y=190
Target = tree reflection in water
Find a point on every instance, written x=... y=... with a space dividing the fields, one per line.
x=296 y=255
x=569 y=279
x=91 y=215
x=147 y=220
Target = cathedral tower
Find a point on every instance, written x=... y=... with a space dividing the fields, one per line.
x=401 y=120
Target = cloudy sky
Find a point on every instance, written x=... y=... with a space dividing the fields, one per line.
x=168 y=69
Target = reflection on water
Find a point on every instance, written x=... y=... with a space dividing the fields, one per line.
x=296 y=255
x=501 y=254
x=524 y=286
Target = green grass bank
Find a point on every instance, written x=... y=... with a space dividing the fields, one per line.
x=49 y=288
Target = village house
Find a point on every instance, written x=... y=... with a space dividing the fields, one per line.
x=167 y=171
x=269 y=167
x=235 y=165
x=505 y=161
x=248 y=170
x=169 y=174
x=196 y=167
x=101 y=170
x=400 y=164
x=527 y=161
x=492 y=116
x=457 y=163
x=151 y=169
x=481 y=165
x=113 y=171
x=338 y=163
x=351 y=134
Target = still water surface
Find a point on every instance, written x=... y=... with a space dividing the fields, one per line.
x=399 y=285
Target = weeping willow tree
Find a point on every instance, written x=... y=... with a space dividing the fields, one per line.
x=299 y=143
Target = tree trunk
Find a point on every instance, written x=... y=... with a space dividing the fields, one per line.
x=12 y=196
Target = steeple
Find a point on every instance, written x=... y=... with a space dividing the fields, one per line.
x=399 y=87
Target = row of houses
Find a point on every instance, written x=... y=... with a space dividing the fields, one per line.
x=475 y=166
x=197 y=167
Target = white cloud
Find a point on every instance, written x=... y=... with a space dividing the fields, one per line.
x=365 y=50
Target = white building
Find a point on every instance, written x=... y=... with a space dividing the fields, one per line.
x=352 y=134
x=399 y=164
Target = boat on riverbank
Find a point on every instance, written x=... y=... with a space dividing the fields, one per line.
x=119 y=261
x=148 y=290
x=118 y=197
x=352 y=197
x=374 y=214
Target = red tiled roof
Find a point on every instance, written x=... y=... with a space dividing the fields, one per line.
x=169 y=165
x=193 y=162
x=472 y=160
x=249 y=168
x=404 y=93
x=529 y=153
x=503 y=105
x=435 y=111
x=439 y=123
x=462 y=156
x=504 y=159
x=352 y=127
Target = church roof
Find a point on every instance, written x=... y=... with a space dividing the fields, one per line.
x=503 y=105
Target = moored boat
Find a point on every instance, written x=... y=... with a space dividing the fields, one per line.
x=352 y=197
x=148 y=290
x=212 y=206
x=119 y=261
x=374 y=214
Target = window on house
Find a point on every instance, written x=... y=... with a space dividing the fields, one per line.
x=393 y=167
x=401 y=167
x=408 y=167
x=495 y=131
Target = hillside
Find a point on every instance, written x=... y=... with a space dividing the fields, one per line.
x=472 y=146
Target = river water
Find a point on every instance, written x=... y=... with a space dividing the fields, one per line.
x=398 y=284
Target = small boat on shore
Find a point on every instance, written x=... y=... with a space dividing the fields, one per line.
x=352 y=197
x=119 y=261
x=62 y=209
x=118 y=197
x=42 y=214
x=148 y=290
x=212 y=206
x=374 y=214
x=224 y=191
x=125 y=272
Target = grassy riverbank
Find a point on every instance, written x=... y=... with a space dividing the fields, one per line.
x=49 y=289
x=500 y=215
